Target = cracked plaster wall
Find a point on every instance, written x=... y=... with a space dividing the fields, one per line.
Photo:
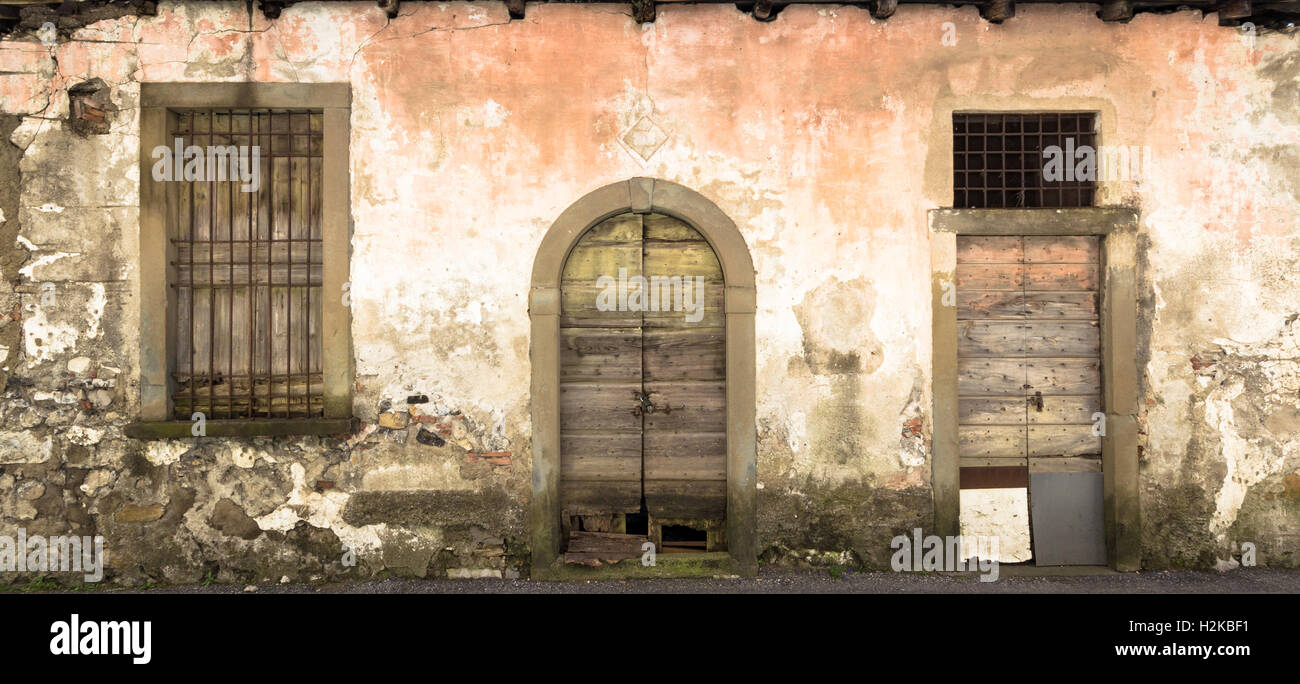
x=471 y=133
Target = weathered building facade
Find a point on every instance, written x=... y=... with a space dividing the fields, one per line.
x=447 y=162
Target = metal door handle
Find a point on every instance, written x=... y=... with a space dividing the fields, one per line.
x=644 y=405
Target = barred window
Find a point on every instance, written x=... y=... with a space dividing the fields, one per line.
x=244 y=259
x=999 y=160
x=248 y=266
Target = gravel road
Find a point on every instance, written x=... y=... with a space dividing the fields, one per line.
x=779 y=581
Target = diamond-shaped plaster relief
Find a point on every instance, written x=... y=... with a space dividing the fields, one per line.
x=644 y=138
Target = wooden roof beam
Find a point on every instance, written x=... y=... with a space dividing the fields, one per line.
x=643 y=11
x=1116 y=10
x=883 y=9
x=998 y=11
x=1235 y=9
x=271 y=8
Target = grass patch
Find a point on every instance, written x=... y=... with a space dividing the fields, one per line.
x=41 y=584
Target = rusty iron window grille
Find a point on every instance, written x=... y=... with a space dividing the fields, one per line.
x=247 y=270
x=998 y=159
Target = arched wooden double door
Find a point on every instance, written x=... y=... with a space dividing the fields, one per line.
x=643 y=380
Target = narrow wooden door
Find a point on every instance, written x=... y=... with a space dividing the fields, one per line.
x=1029 y=381
x=1028 y=349
x=684 y=375
x=600 y=375
x=643 y=374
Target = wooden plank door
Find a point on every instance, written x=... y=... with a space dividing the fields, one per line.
x=642 y=388
x=684 y=373
x=1063 y=367
x=600 y=376
x=1028 y=351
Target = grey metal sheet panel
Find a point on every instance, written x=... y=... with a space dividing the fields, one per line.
x=1069 y=524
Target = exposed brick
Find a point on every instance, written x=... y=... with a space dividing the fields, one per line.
x=418 y=417
x=500 y=458
x=132 y=513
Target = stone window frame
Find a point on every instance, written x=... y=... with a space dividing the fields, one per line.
x=643 y=196
x=157 y=302
x=1117 y=229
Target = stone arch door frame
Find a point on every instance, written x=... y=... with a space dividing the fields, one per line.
x=643 y=196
